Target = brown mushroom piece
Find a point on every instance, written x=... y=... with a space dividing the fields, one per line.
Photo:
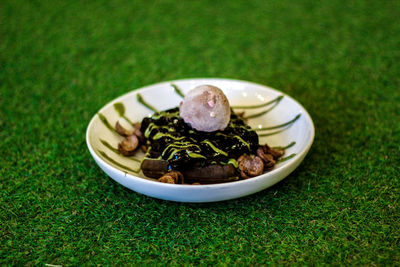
x=137 y=132
x=250 y=166
x=276 y=153
x=121 y=130
x=143 y=148
x=128 y=146
x=172 y=177
x=268 y=159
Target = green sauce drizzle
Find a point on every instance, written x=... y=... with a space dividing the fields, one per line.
x=265 y=111
x=231 y=161
x=117 y=163
x=116 y=151
x=106 y=144
x=182 y=145
x=152 y=127
x=285 y=147
x=196 y=155
x=120 y=109
x=239 y=138
x=172 y=153
x=147 y=152
x=261 y=105
x=215 y=148
x=273 y=133
x=177 y=90
x=179 y=146
x=161 y=135
x=286 y=158
x=168 y=115
x=279 y=131
x=140 y=99
x=280 y=125
x=105 y=122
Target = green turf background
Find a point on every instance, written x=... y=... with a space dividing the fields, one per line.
x=61 y=61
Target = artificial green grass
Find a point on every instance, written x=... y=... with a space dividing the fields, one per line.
x=63 y=60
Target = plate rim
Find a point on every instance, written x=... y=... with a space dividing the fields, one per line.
x=292 y=161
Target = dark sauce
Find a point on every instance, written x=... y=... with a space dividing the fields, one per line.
x=183 y=147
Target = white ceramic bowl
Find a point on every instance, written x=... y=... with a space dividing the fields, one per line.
x=162 y=96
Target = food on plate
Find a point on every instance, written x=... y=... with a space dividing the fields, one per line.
x=128 y=146
x=172 y=177
x=200 y=142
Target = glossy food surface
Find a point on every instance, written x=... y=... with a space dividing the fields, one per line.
x=182 y=146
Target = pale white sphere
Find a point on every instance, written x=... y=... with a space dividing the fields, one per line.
x=206 y=109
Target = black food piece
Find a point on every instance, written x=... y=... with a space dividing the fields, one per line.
x=205 y=175
x=184 y=148
x=154 y=168
x=211 y=174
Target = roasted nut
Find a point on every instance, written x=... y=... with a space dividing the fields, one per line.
x=250 y=166
x=128 y=146
x=166 y=179
x=121 y=130
x=269 y=162
x=137 y=132
x=244 y=175
x=240 y=114
x=205 y=108
x=143 y=148
x=268 y=159
x=276 y=153
x=172 y=177
x=136 y=125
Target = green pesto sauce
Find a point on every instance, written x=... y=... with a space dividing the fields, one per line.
x=285 y=147
x=164 y=114
x=116 y=151
x=117 y=163
x=119 y=108
x=152 y=127
x=140 y=99
x=160 y=135
x=177 y=90
x=231 y=161
x=105 y=122
x=265 y=111
x=106 y=144
x=195 y=155
x=239 y=138
x=216 y=149
x=286 y=158
x=261 y=105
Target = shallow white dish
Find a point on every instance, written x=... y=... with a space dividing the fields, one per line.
x=163 y=96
